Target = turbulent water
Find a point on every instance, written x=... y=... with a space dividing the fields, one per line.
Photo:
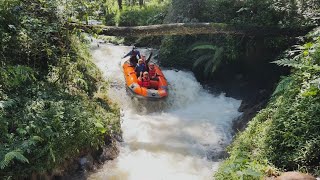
x=182 y=137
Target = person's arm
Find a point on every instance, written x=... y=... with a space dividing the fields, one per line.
x=139 y=81
x=147 y=61
x=129 y=54
x=138 y=53
x=141 y=74
x=154 y=76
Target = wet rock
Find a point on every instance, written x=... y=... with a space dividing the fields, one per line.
x=87 y=162
x=295 y=176
x=217 y=155
x=92 y=159
x=109 y=153
x=118 y=137
x=250 y=107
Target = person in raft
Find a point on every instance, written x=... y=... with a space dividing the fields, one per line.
x=146 y=61
x=133 y=56
x=152 y=72
x=144 y=81
x=140 y=68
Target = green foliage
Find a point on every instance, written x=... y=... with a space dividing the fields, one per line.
x=52 y=126
x=297 y=121
x=247 y=153
x=24 y=40
x=295 y=126
x=209 y=58
x=136 y=16
x=264 y=13
x=283 y=85
x=10 y=156
x=173 y=52
x=14 y=77
x=176 y=51
x=303 y=57
x=49 y=111
x=284 y=135
x=85 y=10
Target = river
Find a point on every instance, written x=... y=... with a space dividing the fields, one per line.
x=182 y=137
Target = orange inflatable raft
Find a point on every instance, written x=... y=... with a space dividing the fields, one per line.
x=157 y=90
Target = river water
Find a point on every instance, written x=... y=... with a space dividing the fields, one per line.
x=182 y=137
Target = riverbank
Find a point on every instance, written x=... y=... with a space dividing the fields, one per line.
x=284 y=135
x=53 y=107
x=81 y=167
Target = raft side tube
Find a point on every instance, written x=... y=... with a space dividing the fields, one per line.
x=158 y=88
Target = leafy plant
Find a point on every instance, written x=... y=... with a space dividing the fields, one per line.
x=283 y=85
x=12 y=155
x=136 y=16
x=286 y=133
x=209 y=58
x=15 y=76
x=48 y=111
x=303 y=57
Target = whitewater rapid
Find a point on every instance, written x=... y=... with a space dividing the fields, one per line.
x=183 y=137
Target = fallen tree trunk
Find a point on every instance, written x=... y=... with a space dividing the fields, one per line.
x=190 y=29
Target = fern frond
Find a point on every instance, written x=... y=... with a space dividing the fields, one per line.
x=10 y=156
x=53 y=157
x=204 y=47
x=295 y=64
x=201 y=60
x=197 y=44
x=211 y=58
x=217 y=59
x=7 y=104
x=283 y=85
x=207 y=69
x=287 y=62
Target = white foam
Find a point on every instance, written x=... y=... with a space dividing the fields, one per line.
x=176 y=141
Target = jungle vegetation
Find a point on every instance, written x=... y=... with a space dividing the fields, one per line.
x=52 y=97
x=284 y=136
x=53 y=106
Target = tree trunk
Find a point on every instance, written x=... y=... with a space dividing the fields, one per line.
x=140 y=3
x=132 y=2
x=120 y=4
x=191 y=29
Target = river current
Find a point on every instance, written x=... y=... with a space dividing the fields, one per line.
x=182 y=137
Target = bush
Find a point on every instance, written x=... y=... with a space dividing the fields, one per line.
x=49 y=111
x=49 y=126
x=285 y=134
x=147 y=15
x=296 y=123
x=247 y=153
